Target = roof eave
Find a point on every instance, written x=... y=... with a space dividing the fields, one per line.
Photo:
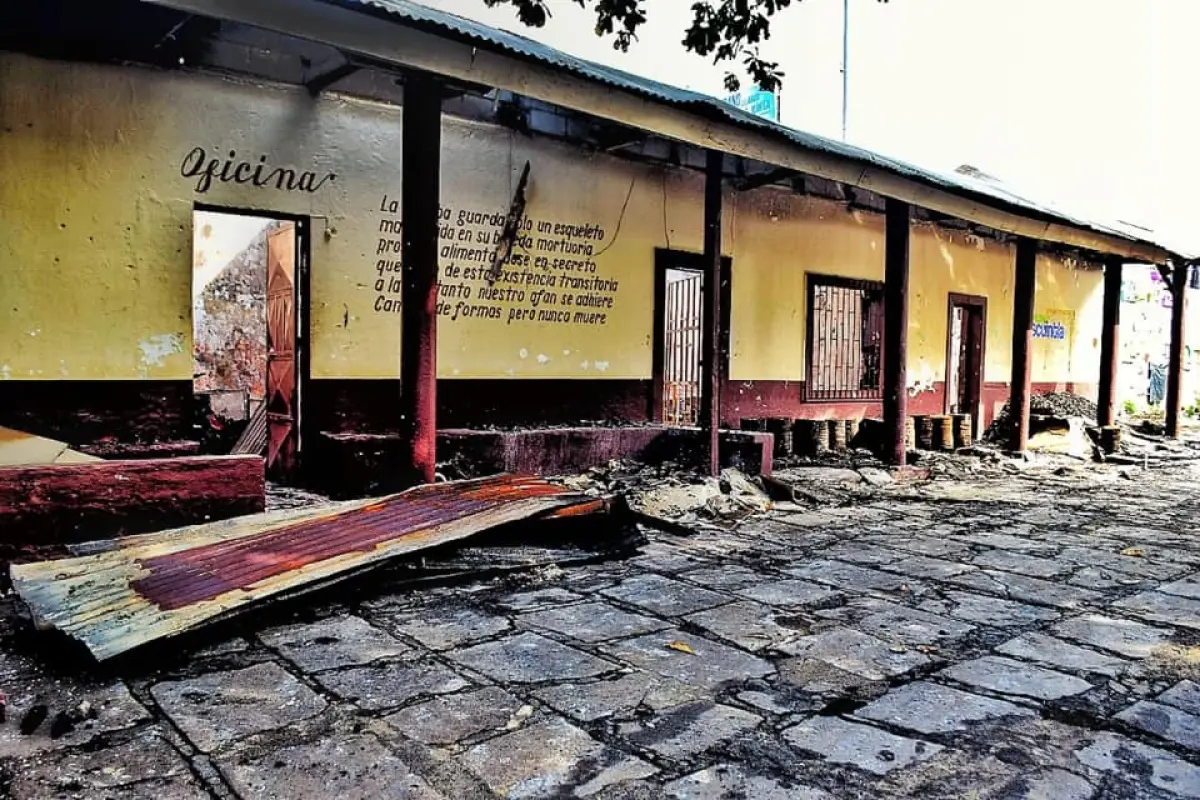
x=395 y=42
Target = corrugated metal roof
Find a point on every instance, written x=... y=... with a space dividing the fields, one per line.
x=453 y=26
x=124 y=593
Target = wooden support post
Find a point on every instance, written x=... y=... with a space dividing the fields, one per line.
x=895 y=331
x=710 y=383
x=1110 y=339
x=420 y=193
x=1023 y=296
x=1179 y=282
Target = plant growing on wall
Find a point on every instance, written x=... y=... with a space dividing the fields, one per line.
x=727 y=30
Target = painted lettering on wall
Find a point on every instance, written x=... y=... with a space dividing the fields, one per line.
x=197 y=164
x=551 y=277
x=1045 y=326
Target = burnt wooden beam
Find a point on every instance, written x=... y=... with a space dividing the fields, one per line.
x=55 y=504
x=1179 y=282
x=1023 y=299
x=1110 y=337
x=765 y=179
x=710 y=381
x=420 y=194
x=319 y=77
x=895 y=330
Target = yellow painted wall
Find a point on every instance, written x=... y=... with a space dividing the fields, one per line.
x=96 y=236
x=778 y=238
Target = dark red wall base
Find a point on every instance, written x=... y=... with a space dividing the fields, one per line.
x=60 y=503
x=353 y=465
x=99 y=412
x=147 y=419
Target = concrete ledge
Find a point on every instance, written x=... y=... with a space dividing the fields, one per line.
x=60 y=503
x=355 y=464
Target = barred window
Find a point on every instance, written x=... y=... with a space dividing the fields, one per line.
x=845 y=339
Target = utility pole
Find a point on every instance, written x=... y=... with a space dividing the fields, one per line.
x=845 y=62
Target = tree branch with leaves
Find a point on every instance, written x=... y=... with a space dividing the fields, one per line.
x=730 y=31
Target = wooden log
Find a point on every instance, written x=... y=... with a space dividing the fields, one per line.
x=59 y=503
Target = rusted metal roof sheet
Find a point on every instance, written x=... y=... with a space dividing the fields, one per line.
x=119 y=594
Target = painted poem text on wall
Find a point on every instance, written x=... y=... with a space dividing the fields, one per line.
x=550 y=277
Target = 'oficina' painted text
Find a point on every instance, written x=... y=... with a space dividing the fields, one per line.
x=196 y=164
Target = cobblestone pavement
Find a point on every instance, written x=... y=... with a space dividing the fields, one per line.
x=1026 y=638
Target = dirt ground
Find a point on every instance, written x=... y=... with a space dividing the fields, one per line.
x=1025 y=635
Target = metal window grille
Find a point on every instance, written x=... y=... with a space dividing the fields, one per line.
x=845 y=339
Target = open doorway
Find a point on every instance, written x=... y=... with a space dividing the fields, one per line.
x=246 y=283
x=964 y=356
x=680 y=317
x=682 y=345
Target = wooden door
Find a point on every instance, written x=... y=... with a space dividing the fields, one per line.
x=964 y=356
x=282 y=428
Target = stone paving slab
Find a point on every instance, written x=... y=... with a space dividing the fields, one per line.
x=530 y=658
x=726 y=577
x=931 y=708
x=339 y=641
x=1013 y=561
x=1188 y=586
x=1137 y=762
x=733 y=782
x=910 y=626
x=389 y=685
x=708 y=665
x=987 y=610
x=1165 y=722
x=691 y=729
x=862 y=746
x=1184 y=695
x=591 y=701
x=1026 y=589
x=789 y=593
x=1128 y=638
x=1041 y=648
x=1159 y=607
x=856 y=652
x=664 y=596
x=848 y=576
x=356 y=767
x=1005 y=676
x=452 y=718
x=746 y=624
x=545 y=759
x=593 y=622
x=927 y=567
x=218 y=708
x=445 y=628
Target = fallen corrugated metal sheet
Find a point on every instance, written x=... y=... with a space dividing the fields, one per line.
x=124 y=593
x=21 y=449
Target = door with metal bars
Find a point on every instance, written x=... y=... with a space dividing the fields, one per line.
x=683 y=315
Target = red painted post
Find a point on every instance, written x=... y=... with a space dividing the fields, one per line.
x=1110 y=339
x=1179 y=282
x=895 y=331
x=710 y=382
x=420 y=193
x=1023 y=296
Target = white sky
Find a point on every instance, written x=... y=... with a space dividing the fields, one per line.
x=1087 y=103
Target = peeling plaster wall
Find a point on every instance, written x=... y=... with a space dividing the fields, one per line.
x=96 y=234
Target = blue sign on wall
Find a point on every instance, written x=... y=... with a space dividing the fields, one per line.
x=756 y=101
